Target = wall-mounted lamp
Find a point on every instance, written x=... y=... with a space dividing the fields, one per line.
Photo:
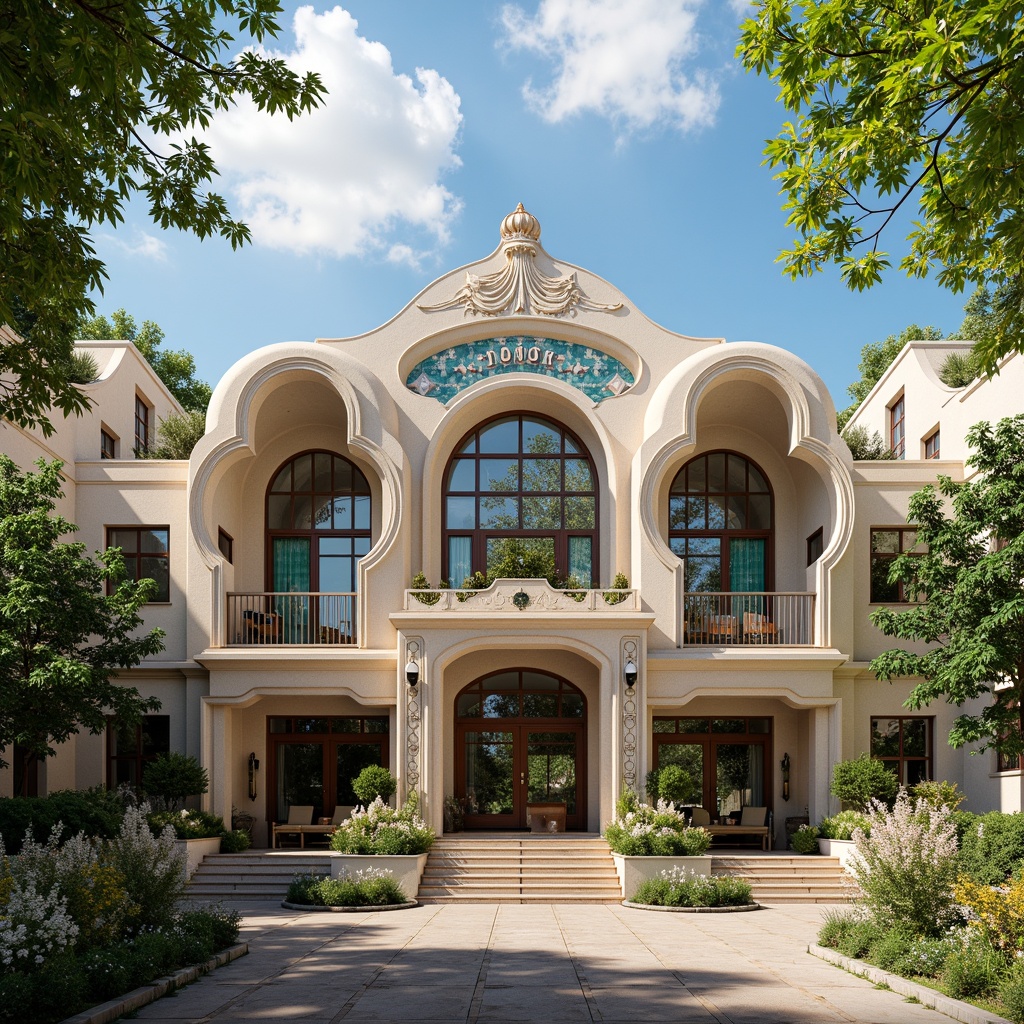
x=254 y=767
x=412 y=672
x=630 y=673
x=784 y=763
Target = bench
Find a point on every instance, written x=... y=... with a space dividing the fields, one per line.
x=735 y=831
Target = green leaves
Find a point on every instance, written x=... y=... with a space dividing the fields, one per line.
x=914 y=103
x=97 y=100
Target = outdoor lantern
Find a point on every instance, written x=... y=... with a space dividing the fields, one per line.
x=254 y=767
x=412 y=673
x=630 y=673
x=784 y=763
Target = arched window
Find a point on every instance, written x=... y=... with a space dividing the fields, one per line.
x=521 y=487
x=318 y=528
x=721 y=523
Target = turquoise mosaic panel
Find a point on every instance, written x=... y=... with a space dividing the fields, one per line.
x=446 y=373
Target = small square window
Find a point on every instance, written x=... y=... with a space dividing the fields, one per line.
x=146 y=553
x=226 y=545
x=815 y=545
x=931 y=446
x=887 y=544
x=108 y=445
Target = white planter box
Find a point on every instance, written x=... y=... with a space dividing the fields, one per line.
x=407 y=870
x=634 y=870
x=844 y=849
x=195 y=851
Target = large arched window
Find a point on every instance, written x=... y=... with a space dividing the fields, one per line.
x=318 y=528
x=721 y=524
x=521 y=486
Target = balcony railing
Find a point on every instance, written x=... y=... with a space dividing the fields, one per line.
x=521 y=595
x=748 y=619
x=291 y=618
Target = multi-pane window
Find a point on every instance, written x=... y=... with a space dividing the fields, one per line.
x=146 y=551
x=898 y=428
x=904 y=745
x=142 y=425
x=815 y=545
x=887 y=544
x=720 y=523
x=931 y=446
x=1007 y=762
x=521 y=486
x=131 y=747
x=108 y=445
x=225 y=544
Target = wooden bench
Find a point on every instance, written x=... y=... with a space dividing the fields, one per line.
x=735 y=831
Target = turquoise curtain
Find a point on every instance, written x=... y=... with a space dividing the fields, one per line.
x=747 y=572
x=580 y=560
x=460 y=559
x=291 y=575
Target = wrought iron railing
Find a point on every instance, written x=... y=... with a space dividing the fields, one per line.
x=748 y=619
x=291 y=618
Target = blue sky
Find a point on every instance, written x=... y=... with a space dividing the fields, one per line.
x=626 y=126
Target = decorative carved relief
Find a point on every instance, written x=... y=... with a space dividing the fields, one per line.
x=630 y=651
x=413 y=652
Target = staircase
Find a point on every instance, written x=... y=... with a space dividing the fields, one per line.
x=520 y=869
x=783 y=879
x=261 y=875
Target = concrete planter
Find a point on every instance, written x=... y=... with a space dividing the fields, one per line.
x=844 y=849
x=634 y=870
x=407 y=870
x=195 y=851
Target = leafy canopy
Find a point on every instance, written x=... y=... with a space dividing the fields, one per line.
x=969 y=586
x=62 y=637
x=100 y=103
x=918 y=102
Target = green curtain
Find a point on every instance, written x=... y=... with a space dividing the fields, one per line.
x=291 y=575
x=747 y=572
x=580 y=560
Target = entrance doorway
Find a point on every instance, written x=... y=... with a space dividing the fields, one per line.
x=725 y=758
x=520 y=738
x=314 y=760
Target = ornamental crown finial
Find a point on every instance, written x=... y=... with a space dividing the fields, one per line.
x=520 y=224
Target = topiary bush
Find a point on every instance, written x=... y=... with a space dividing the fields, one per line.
x=862 y=780
x=805 y=839
x=372 y=782
x=235 y=841
x=174 y=777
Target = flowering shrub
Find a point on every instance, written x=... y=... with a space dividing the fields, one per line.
x=907 y=865
x=996 y=911
x=370 y=888
x=35 y=926
x=805 y=839
x=843 y=825
x=684 y=888
x=380 y=829
x=187 y=824
x=640 y=830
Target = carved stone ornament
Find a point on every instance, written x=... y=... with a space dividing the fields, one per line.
x=521 y=287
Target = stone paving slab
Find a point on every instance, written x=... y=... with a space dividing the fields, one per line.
x=548 y=962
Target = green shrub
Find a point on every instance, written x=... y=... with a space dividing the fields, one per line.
x=372 y=782
x=187 y=824
x=621 y=582
x=836 y=924
x=682 y=888
x=924 y=958
x=364 y=889
x=859 y=938
x=992 y=846
x=235 y=841
x=96 y=812
x=380 y=829
x=842 y=825
x=938 y=794
x=640 y=830
x=890 y=948
x=972 y=969
x=805 y=839
x=174 y=777
x=862 y=780
x=1011 y=992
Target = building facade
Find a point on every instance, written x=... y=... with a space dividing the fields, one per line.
x=519 y=413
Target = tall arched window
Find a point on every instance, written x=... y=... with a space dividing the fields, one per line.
x=721 y=523
x=318 y=528
x=521 y=486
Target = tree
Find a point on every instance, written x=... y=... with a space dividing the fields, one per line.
x=174 y=777
x=916 y=102
x=865 y=445
x=177 y=436
x=62 y=637
x=968 y=586
x=99 y=103
x=176 y=368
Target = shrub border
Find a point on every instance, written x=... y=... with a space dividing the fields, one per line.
x=951 y=1007
x=103 y=1013
x=740 y=909
x=370 y=908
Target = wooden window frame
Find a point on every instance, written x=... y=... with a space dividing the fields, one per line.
x=225 y=545
x=108 y=444
x=900 y=760
x=931 y=445
x=898 y=426
x=139 y=758
x=143 y=416
x=886 y=556
x=815 y=545
x=133 y=559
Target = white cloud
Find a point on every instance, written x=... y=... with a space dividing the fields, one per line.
x=137 y=243
x=360 y=172
x=627 y=60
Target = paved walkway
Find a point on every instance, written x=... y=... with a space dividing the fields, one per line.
x=548 y=963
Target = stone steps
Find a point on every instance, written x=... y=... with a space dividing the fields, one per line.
x=252 y=876
x=513 y=869
x=782 y=879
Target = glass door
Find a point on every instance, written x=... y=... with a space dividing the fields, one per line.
x=739 y=777
x=488 y=782
x=300 y=777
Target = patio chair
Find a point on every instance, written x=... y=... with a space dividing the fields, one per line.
x=758 y=629
x=699 y=816
x=299 y=817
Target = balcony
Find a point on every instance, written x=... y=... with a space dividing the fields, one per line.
x=748 y=619
x=296 y=619
x=522 y=595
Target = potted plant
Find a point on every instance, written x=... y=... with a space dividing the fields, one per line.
x=168 y=781
x=835 y=834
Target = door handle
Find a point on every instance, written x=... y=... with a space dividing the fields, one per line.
x=522 y=778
